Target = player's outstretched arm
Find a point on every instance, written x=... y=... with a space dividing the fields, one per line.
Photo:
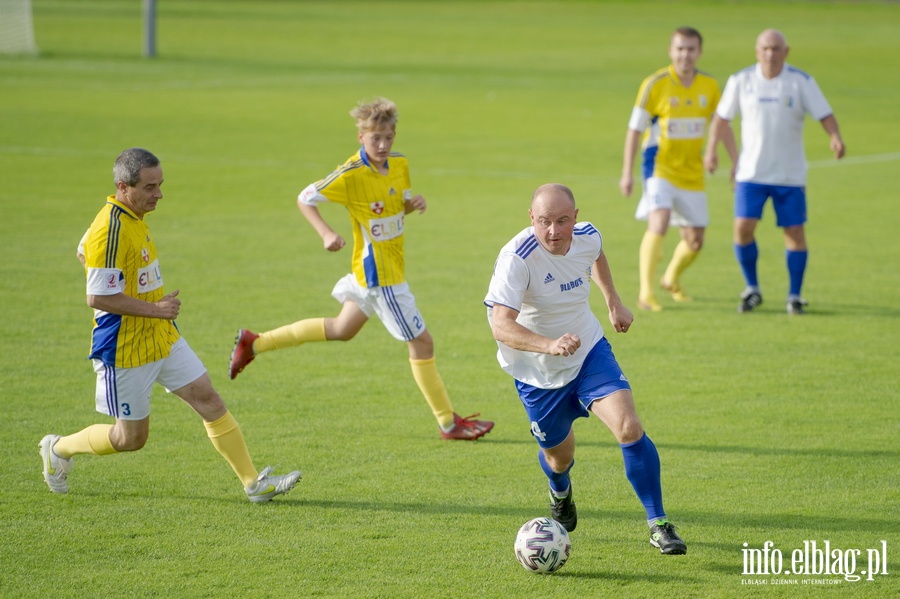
x=512 y=334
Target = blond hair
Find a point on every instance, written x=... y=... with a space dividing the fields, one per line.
x=377 y=114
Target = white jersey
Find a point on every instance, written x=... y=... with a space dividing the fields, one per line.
x=772 y=114
x=551 y=294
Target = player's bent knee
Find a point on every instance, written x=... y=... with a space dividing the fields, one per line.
x=629 y=432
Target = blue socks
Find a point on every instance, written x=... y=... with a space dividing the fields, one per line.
x=747 y=255
x=559 y=481
x=642 y=470
x=796 y=265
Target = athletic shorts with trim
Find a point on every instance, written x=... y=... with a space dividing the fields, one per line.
x=395 y=306
x=124 y=393
x=689 y=208
x=789 y=202
x=552 y=411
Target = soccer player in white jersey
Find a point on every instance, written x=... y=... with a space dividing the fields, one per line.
x=135 y=342
x=672 y=109
x=374 y=186
x=772 y=99
x=551 y=343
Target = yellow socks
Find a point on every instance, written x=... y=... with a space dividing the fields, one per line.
x=432 y=387
x=303 y=331
x=681 y=259
x=650 y=256
x=93 y=440
x=227 y=438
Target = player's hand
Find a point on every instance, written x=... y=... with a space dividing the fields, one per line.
x=711 y=162
x=333 y=242
x=416 y=203
x=621 y=318
x=626 y=185
x=837 y=146
x=565 y=345
x=169 y=306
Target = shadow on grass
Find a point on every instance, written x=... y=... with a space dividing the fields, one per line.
x=820 y=452
x=625 y=577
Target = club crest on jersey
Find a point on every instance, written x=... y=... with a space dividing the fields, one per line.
x=703 y=101
x=377 y=207
x=673 y=101
x=145 y=255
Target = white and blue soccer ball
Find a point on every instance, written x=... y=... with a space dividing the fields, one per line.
x=542 y=545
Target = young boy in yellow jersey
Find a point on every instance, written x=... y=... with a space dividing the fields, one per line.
x=374 y=186
x=135 y=343
x=674 y=106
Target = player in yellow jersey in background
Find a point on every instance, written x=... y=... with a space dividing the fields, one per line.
x=135 y=342
x=374 y=186
x=672 y=110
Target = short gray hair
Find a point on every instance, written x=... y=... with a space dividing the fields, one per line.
x=130 y=163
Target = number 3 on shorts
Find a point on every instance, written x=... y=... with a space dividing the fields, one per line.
x=537 y=432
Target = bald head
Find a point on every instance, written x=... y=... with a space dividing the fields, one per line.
x=771 y=36
x=553 y=192
x=771 y=52
x=553 y=216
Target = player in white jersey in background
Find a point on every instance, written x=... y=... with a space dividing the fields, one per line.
x=773 y=99
x=551 y=343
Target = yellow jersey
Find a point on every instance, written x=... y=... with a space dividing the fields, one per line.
x=681 y=115
x=376 y=205
x=120 y=257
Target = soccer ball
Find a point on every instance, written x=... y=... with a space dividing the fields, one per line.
x=542 y=545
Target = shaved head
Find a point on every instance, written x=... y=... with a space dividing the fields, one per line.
x=771 y=52
x=553 y=216
x=553 y=191
x=771 y=36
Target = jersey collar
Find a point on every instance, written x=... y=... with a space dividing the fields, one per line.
x=365 y=158
x=112 y=200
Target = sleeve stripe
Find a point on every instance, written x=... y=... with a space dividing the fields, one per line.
x=112 y=237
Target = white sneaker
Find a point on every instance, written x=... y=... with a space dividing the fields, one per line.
x=56 y=469
x=267 y=486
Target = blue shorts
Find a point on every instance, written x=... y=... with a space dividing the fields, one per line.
x=552 y=411
x=789 y=202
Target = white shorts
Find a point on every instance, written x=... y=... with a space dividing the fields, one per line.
x=688 y=208
x=394 y=305
x=124 y=393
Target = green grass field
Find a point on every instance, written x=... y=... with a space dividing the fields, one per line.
x=769 y=428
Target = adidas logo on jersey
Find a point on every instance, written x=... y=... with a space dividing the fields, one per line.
x=548 y=279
